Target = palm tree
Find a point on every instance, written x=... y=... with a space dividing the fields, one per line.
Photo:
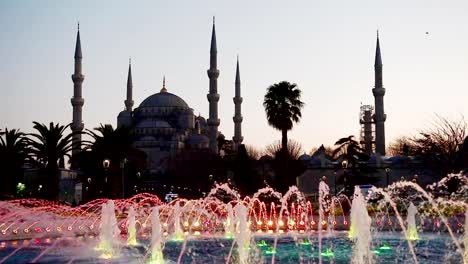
x=283 y=108
x=352 y=153
x=50 y=147
x=349 y=149
x=13 y=154
x=116 y=146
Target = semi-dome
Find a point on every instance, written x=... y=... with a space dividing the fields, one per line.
x=164 y=99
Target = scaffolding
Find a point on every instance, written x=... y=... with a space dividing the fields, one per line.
x=367 y=133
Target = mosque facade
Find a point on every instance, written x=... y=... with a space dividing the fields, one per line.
x=163 y=123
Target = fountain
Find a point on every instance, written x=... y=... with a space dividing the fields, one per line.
x=131 y=227
x=266 y=227
x=109 y=230
x=360 y=229
x=156 y=241
x=242 y=233
x=411 y=220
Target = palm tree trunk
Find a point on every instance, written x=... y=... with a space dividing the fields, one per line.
x=284 y=141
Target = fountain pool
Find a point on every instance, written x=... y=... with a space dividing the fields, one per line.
x=336 y=248
x=223 y=228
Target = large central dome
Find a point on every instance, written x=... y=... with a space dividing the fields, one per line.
x=164 y=99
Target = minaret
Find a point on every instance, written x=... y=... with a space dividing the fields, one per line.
x=213 y=96
x=129 y=101
x=77 y=101
x=237 y=139
x=379 y=92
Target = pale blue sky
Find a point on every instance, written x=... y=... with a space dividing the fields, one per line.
x=326 y=47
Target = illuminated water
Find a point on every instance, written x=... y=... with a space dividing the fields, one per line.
x=223 y=228
x=431 y=248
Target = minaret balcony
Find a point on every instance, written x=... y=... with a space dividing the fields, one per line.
x=213 y=122
x=77 y=127
x=77 y=77
x=213 y=97
x=75 y=101
x=237 y=100
x=378 y=91
x=213 y=73
x=237 y=118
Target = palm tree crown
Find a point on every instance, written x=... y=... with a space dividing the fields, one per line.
x=49 y=147
x=283 y=107
x=14 y=151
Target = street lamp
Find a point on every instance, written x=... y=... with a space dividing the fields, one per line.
x=122 y=166
x=344 y=165
x=387 y=173
x=105 y=165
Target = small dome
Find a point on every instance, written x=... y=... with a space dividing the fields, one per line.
x=153 y=124
x=164 y=99
x=304 y=157
x=198 y=139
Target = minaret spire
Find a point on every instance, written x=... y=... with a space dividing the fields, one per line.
x=238 y=138
x=213 y=96
x=129 y=100
x=77 y=101
x=379 y=92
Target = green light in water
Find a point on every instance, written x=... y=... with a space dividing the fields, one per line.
x=376 y=252
x=270 y=251
x=328 y=253
x=304 y=242
x=262 y=243
x=385 y=246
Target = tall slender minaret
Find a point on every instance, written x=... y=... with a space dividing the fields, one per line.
x=213 y=96
x=129 y=100
x=77 y=101
x=379 y=92
x=237 y=139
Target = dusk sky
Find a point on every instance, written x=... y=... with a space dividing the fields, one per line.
x=326 y=47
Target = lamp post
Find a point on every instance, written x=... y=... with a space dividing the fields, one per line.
x=334 y=179
x=105 y=165
x=122 y=167
x=344 y=165
x=387 y=173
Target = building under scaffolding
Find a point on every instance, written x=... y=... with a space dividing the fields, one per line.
x=367 y=133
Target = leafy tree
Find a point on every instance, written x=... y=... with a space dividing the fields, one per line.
x=116 y=146
x=245 y=176
x=294 y=149
x=283 y=106
x=14 y=151
x=49 y=146
x=350 y=151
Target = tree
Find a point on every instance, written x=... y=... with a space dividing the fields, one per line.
x=49 y=147
x=439 y=146
x=246 y=178
x=253 y=152
x=399 y=146
x=116 y=146
x=294 y=149
x=349 y=149
x=14 y=151
x=283 y=108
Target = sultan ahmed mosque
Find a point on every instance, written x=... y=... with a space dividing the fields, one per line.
x=164 y=123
